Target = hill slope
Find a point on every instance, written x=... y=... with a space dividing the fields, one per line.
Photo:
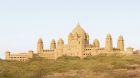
x=100 y=66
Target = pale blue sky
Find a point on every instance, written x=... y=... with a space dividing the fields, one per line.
x=22 y=22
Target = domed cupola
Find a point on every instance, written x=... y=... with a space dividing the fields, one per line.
x=53 y=45
x=60 y=42
x=78 y=30
x=78 y=36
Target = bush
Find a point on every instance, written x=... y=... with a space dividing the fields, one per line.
x=40 y=67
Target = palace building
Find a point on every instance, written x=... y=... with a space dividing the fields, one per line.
x=78 y=45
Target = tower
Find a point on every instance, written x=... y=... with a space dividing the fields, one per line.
x=108 y=44
x=53 y=45
x=40 y=46
x=60 y=42
x=96 y=43
x=7 y=55
x=120 y=44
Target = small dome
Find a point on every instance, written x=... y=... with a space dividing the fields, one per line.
x=130 y=47
x=108 y=36
x=120 y=37
x=61 y=41
x=40 y=40
x=96 y=40
x=8 y=52
x=53 y=41
x=96 y=43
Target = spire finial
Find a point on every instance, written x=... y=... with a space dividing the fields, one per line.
x=40 y=39
x=108 y=35
x=78 y=29
x=121 y=37
x=78 y=23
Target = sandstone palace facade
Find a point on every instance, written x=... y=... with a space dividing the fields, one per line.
x=78 y=45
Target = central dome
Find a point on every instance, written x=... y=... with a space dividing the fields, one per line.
x=78 y=29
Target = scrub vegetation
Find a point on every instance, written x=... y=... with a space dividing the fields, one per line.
x=100 y=66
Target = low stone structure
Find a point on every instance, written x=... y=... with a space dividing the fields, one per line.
x=78 y=45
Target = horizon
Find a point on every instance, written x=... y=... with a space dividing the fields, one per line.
x=23 y=22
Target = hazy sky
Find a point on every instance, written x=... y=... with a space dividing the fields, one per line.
x=22 y=22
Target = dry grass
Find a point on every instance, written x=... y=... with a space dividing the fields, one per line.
x=100 y=66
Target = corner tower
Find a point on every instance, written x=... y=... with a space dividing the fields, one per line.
x=120 y=44
x=60 y=42
x=96 y=43
x=108 y=44
x=40 y=45
x=53 y=45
